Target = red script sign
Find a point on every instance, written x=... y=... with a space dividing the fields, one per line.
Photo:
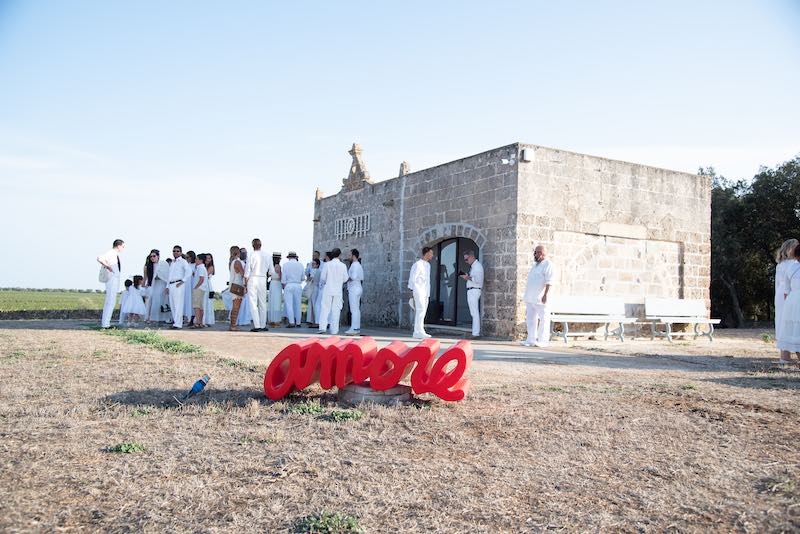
x=339 y=362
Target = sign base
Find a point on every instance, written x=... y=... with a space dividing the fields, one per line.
x=358 y=393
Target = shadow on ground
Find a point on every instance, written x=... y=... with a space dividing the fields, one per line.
x=167 y=397
x=783 y=381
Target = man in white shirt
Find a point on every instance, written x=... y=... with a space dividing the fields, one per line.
x=419 y=282
x=334 y=276
x=355 y=277
x=292 y=277
x=180 y=273
x=110 y=262
x=474 y=290
x=259 y=266
x=537 y=312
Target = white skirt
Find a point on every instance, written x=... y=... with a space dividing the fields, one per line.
x=134 y=304
x=787 y=335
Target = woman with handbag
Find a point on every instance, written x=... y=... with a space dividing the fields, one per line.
x=236 y=285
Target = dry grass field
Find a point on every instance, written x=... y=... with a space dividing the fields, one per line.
x=580 y=441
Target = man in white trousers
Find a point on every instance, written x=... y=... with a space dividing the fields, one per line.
x=419 y=282
x=474 y=290
x=259 y=266
x=110 y=262
x=180 y=273
x=292 y=277
x=333 y=277
x=355 y=277
x=537 y=311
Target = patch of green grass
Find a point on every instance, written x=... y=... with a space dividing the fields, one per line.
x=304 y=407
x=554 y=389
x=239 y=364
x=127 y=448
x=767 y=338
x=152 y=339
x=326 y=522
x=141 y=412
x=338 y=416
x=13 y=356
x=686 y=387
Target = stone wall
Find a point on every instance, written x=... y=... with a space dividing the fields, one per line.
x=613 y=227
x=474 y=197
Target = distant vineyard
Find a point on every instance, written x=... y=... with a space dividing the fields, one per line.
x=13 y=299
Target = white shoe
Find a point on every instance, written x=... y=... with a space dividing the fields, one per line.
x=426 y=336
x=321 y=332
x=352 y=332
x=418 y=336
x=526 y=343
x=540 y=345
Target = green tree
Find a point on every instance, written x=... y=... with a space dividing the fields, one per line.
x=749 y=221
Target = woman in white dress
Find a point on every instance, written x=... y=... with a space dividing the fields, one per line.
x=156 y=273
x=208 y=313
x=785 y=273
x=312 y=286
x=275 y=310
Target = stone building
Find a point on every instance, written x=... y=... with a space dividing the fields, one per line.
x=611 y=228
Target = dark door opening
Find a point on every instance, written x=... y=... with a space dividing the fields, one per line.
x=448 y=303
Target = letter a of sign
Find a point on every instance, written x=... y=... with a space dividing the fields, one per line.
x=336 y=362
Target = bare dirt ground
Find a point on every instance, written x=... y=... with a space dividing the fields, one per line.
x=599 y=436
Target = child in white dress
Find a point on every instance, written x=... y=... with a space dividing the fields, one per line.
x=133 y=302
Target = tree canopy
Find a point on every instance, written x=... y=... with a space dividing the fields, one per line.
x=749 y=222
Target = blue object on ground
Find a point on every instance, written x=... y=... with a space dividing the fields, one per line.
x=197 y=387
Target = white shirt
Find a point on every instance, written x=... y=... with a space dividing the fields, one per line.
x=111 y=259
x=259 y=263
x=540 y=275
x=419 y=279
x=200 y=271
x=161 y=271
x=320 y=281
x=179 y=270
x=291 y=272
x=356 y=274
x=333 y=277
x=475 y=275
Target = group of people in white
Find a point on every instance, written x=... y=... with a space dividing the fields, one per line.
x=159 y=294
x=787 y=301
x=178 y=290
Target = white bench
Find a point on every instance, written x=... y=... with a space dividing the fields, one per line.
x=667 y=312
x=603 y=310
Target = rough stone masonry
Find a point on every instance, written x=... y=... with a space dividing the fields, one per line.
x=611 y=227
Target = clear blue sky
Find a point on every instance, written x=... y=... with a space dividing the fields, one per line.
x=208 y=123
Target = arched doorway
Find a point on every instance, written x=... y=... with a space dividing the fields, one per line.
x=448 y=303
